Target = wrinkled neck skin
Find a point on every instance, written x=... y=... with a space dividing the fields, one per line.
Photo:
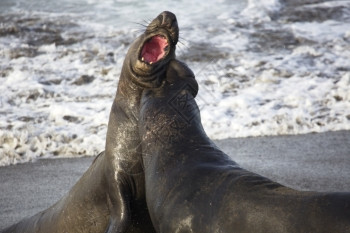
x=166 y=128
x=170 y=117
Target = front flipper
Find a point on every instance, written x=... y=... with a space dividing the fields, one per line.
x=119 y=205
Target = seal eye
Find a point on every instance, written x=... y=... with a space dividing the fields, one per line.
x=154 y=49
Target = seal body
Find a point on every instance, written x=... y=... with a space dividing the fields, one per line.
x=144 y=67
x=192 y=186
x=110 y=196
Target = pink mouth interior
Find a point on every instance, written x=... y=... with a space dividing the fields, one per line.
x=153 y=50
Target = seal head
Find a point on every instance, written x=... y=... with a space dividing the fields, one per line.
x=149 y=55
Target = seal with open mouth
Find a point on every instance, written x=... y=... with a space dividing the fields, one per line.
x=144 y=67
x=192 y=186
x=110 y=196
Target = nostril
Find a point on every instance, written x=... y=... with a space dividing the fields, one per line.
x=160 y=18
x=167 y=19
x=168 y=14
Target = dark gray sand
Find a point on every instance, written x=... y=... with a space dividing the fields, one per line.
x=319 y=162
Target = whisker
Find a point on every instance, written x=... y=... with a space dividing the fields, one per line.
x=139 y=31
x=182 y=38
x=183 y=44
x=146 y=21
x=140 y=24
x=181 y=49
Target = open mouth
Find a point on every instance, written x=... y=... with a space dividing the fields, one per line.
x=154 y=49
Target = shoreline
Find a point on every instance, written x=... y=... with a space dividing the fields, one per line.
x=310 y=162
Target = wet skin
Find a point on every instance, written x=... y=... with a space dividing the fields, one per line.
x=110 y=196
x=192 y=186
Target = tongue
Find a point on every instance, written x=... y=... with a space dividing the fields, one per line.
x=153 y=50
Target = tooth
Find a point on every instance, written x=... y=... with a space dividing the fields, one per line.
x=151 y=63
x=142 y=58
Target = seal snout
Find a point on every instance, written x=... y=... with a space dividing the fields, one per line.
x=161 y=37
x=167 y=19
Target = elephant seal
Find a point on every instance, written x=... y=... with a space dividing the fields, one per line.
x=110 y=196
x=192 y=186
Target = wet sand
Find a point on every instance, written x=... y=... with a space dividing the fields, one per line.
x=319 y=162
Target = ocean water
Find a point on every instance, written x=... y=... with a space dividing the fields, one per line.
x=264 y=67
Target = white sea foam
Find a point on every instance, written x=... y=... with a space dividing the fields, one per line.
x=261 y=71
x=261 y=10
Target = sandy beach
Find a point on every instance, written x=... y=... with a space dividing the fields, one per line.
x=319 y=162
